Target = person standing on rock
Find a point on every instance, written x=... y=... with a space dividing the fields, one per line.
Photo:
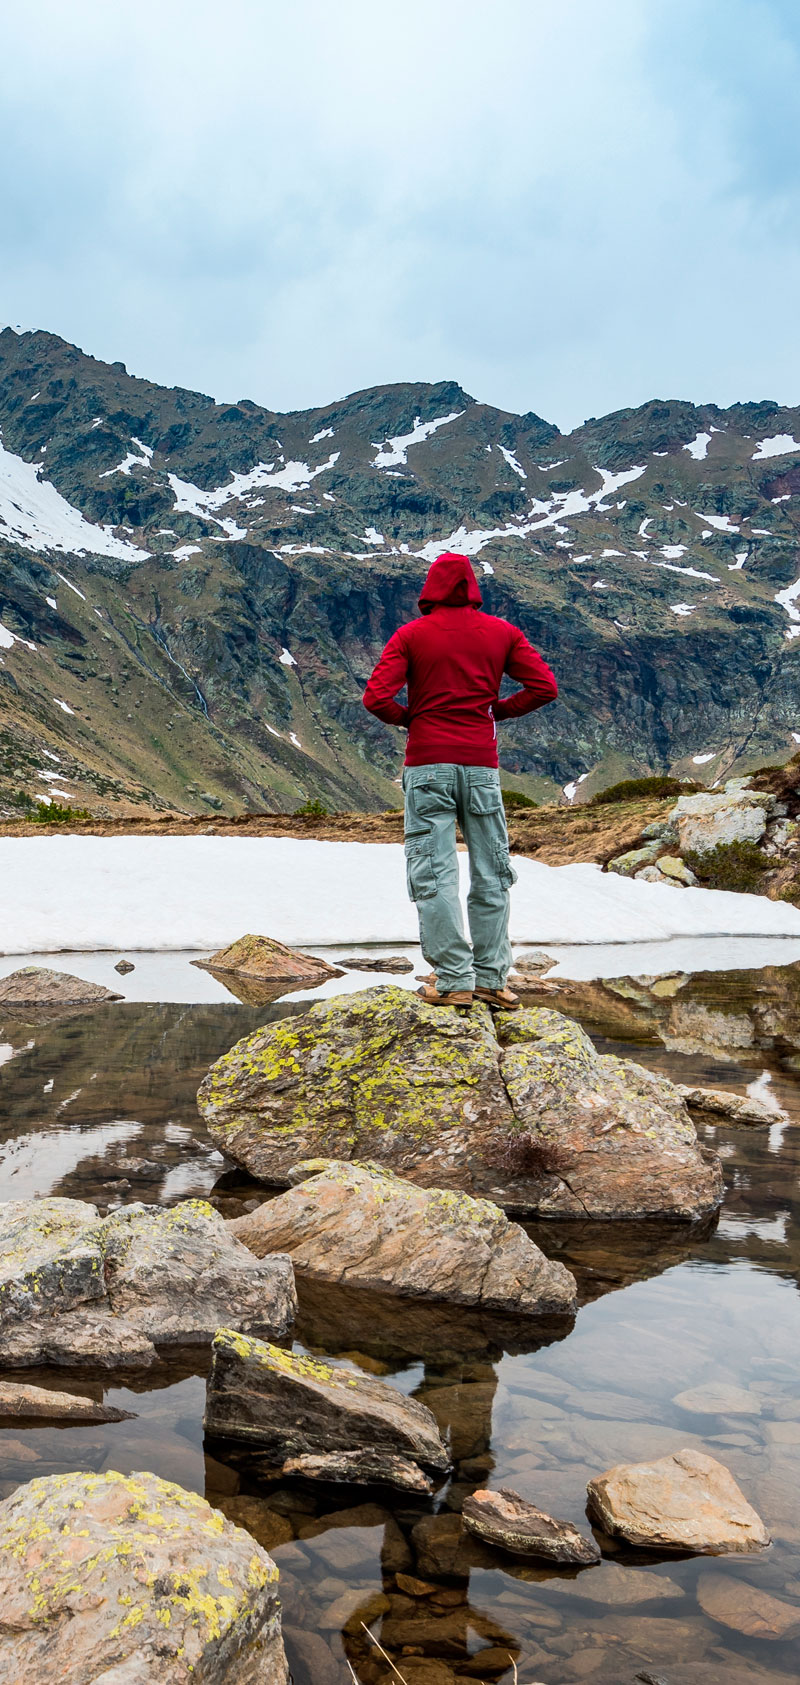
x=453 y=660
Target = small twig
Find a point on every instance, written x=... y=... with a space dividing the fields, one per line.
x=386 y=1657
x=353 y=1674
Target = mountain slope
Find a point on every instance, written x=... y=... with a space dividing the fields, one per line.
x=192 y=594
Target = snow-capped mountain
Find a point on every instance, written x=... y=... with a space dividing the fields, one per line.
x=192 y=594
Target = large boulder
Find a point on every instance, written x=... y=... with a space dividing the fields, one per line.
x=265 y=960
x=521 y=1110
x=362 y=1225
x=685 y=1502
x=37 y=985
x=734 y=814
x=286 y=1406
x=118 y=1579
x=75 y=1288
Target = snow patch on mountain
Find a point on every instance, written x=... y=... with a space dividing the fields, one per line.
x=395 y=451
x=144 y=460
x=699 y=446
x=779 y=445
x=35 y=516
x=512 y=462
x=192 y=500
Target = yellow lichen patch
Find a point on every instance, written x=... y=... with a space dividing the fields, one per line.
x=294 y=1365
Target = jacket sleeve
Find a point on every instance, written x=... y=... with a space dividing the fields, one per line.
x=538 y=683
x=388 y=678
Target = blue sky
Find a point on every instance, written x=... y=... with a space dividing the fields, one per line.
x=566 y=205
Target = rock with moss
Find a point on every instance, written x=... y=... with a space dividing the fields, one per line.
x=521 y=1110
x=129 y=1580
x=734 y=814
x=282 y=1406
x=75 y=1288
x=264 y=960
x=362 y=1225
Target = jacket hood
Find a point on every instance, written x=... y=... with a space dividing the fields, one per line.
x=451 y=583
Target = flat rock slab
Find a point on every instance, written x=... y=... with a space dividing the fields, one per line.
x=35 y=985
x=270 y=961
x=360 y=1468
x=719 y=1398
x=294 y=1406
x=504 y=1519
x=686 y=1502
x=734 y=1108
x=363 y=962
x=21 y=1402
x=75 y=1288
x=746 y=1608
x=128 y=1580
x=521 y=1109
x=362 y=1225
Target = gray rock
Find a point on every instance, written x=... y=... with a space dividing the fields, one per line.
x=123 y=967
x=75 y=1288
x=731 y=815
x=627 y=865
x=363 y=962
x=662 y=831
x=671 y=866
x=118 y=1579
x=504 y=1519
x=289 y=1406
x=36 y=985
x=522 y=1110
x=734 y=1108
x=362 y=1225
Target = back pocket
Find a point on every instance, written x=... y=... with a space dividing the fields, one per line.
x=485 y=799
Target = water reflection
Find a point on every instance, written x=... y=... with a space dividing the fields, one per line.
x=665 y=1311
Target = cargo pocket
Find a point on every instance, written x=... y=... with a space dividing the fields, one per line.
x=420 y=873
x=505 y=871
x=485 y=799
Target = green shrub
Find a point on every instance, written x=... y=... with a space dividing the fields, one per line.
x=312 y=809
x=515 y=798
x=53 y=813
x=736 y=865
x=657 y=785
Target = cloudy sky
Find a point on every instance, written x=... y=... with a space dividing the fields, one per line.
x=566 y=205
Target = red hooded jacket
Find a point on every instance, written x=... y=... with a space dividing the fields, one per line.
x=453 y=660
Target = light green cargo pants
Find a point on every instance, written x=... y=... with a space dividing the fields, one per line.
x=435 y=797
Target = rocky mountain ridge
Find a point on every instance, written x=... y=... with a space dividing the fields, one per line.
x=192 y=594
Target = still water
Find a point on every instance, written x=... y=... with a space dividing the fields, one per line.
x=662 y=1311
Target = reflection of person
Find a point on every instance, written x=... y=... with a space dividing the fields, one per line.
x=453 y=660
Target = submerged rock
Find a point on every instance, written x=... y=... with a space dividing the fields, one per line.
x=363 y=1225
x=287 y=1406
x=18 y=1401
x=746 y=1608
x=270 y=961
x=503 y=1518
x=686 y=1502
x=36 y=985
x=521 y=1110
x=76 y=1288
x=362 y=962
x=129 y=1580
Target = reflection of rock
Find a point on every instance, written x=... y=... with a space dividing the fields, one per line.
x=18 y=1401
x=123 y=967
x=35 y=985
x=503 y=1518
x=267 y=961
x=131 y=1579
x=74 y=1288
x=686 y=1502
x=388 y=1328
x=747 y=1608
x=291 y=1406
x=364 y=1225
x=734 y=1108
x=536 y=1120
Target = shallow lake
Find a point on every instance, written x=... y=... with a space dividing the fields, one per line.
x=663 y=1310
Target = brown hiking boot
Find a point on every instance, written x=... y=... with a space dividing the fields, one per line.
x=504 y=999
x=456 y=997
